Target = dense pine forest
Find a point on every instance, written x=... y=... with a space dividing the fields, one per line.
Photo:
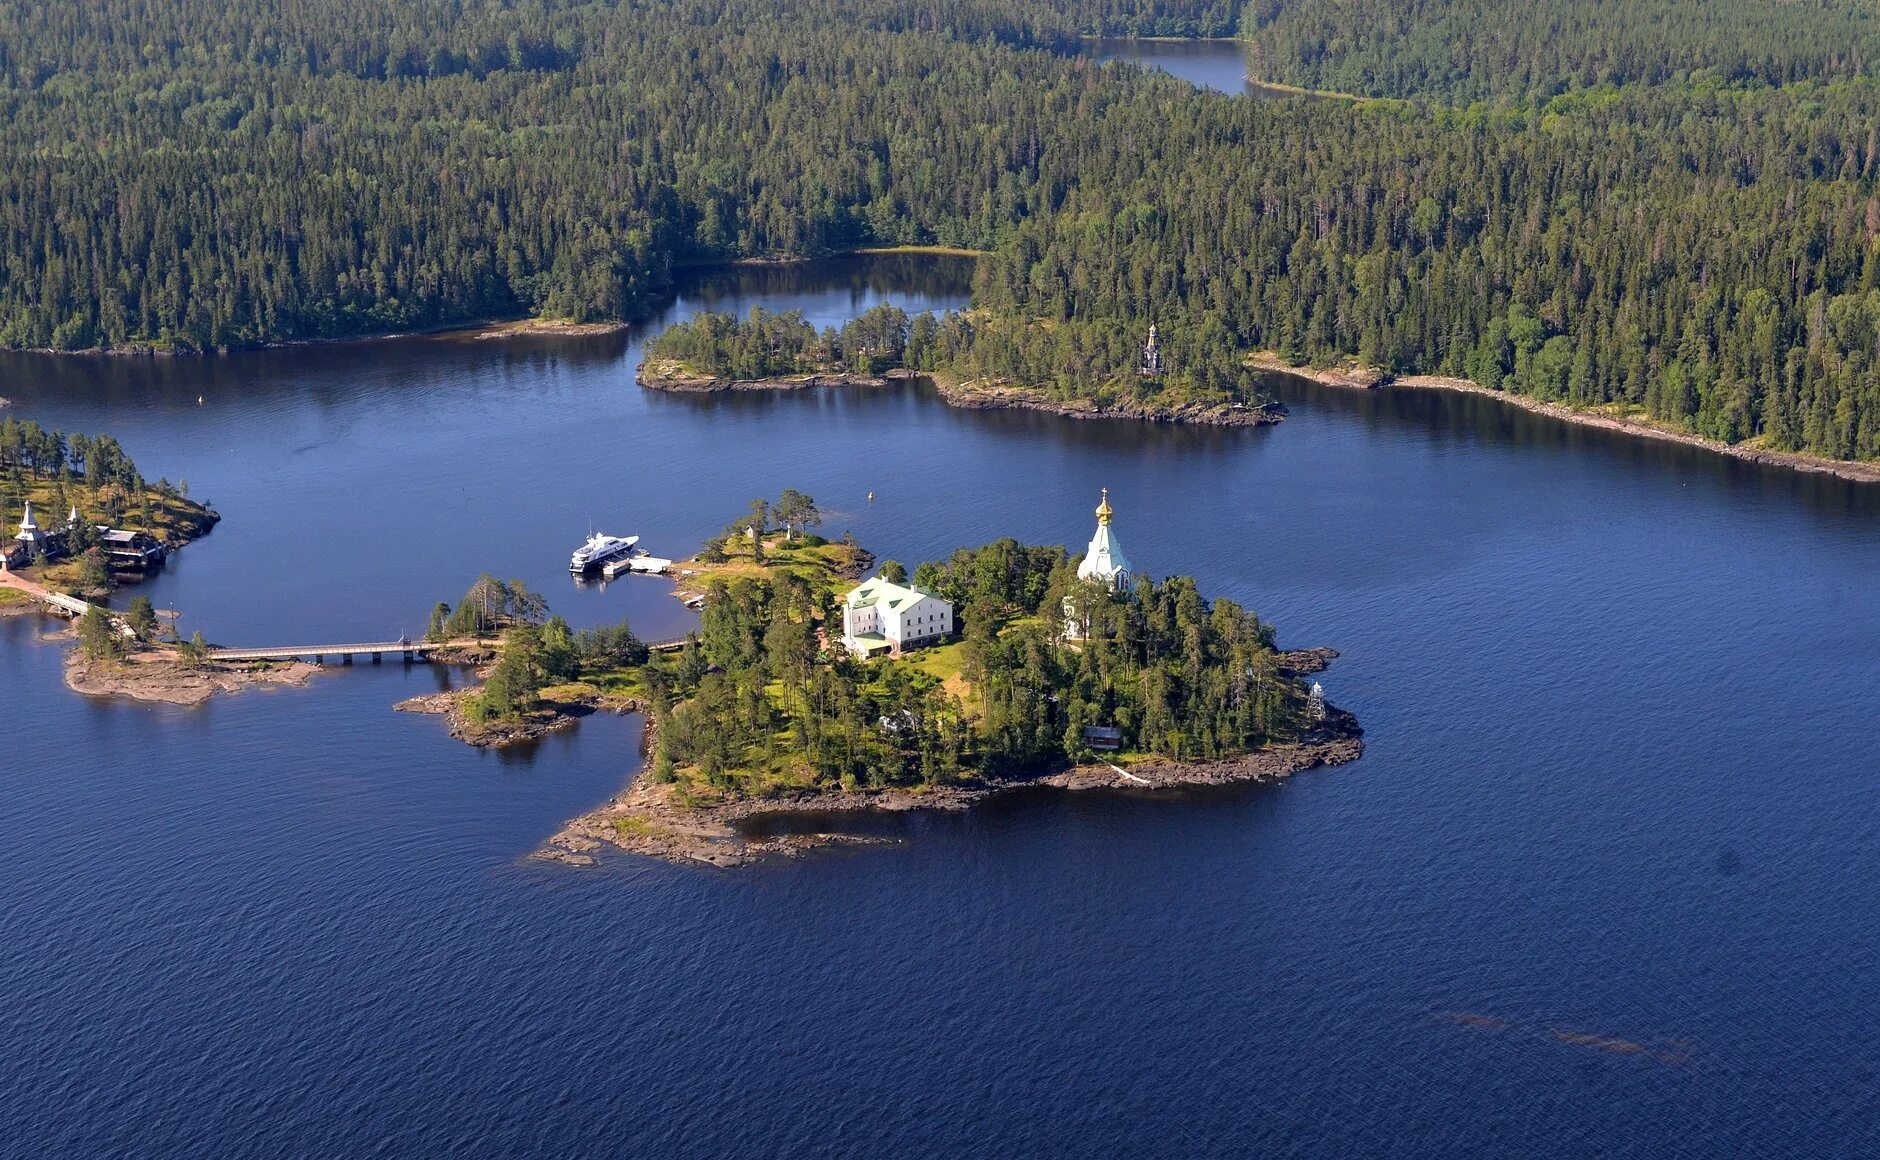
x=1540 y=48
x=748 y=706
x=1066 y=359
x=1671 y=207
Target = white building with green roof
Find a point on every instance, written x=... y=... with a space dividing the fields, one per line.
x=879 y=617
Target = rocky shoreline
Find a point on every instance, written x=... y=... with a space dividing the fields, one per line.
x=675 y=379
x=650 y=819
x=539 y=722
x=1370 y=378
x=484 y=329
x=547 y=327
x=647 y=819
x=161 y=677
x=973 y=395
x=1004 y=396
x=1346 y=374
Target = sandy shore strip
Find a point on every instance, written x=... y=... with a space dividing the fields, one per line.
x=1355 y=376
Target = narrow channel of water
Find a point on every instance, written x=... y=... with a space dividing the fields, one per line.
x=1603 y=883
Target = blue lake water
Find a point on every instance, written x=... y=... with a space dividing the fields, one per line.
x=1604 y=882
x=1220 y=65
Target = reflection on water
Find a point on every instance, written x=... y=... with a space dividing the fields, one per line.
x=1220 y=65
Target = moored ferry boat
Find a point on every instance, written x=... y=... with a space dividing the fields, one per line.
x=599 y=549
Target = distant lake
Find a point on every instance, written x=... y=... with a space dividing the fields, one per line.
x=1603 y=883
x=1220 y=65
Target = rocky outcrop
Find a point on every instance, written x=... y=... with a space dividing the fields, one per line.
x=975 y=395
x=1005 y=396
x=1346 y=374
x=544 y=719
x=1306 y=661
x=551 y=327
x=669 y=376
x=164 y=677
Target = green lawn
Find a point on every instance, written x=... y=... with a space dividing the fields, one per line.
x=820 y=565
x=169 y=515
x=940 y=662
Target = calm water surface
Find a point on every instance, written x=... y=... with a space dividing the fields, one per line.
x=1604 y=882
x=1220 y=65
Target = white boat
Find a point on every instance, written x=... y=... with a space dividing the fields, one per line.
x=599 y=549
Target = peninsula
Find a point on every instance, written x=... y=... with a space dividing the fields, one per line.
x=84 y=518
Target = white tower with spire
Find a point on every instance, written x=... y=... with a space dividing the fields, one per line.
x=29 y=533
x=1151 y=356
x=1103 y=559
x=1103 y=563
x=29 y=529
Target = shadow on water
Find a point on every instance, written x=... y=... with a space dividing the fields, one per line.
x=1474 y=419
x=889 y=274
x=1216 y=65
x=1026 y=808
x=332 y=374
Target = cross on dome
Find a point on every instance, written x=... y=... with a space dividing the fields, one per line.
x=1104 y=560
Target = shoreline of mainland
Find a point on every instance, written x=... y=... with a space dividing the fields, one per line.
x=495 y=327
x=1356 y=376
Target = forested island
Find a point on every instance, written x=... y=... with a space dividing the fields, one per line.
x=1665 y=209
x=970 y=358
x=1047 y=678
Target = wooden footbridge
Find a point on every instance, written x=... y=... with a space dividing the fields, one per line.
x=403 y=648
x=411 y=650
x=70 y=605
x=408 y=650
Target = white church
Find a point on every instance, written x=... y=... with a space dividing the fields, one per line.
x=1104 y=561
x=882 y=617
x=879 y=617
x=1105 y=564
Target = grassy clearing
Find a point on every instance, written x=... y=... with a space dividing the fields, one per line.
x=940 y=662
x=828 y=568
x=626 y=683
x=171 y=517
x=573 y=692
